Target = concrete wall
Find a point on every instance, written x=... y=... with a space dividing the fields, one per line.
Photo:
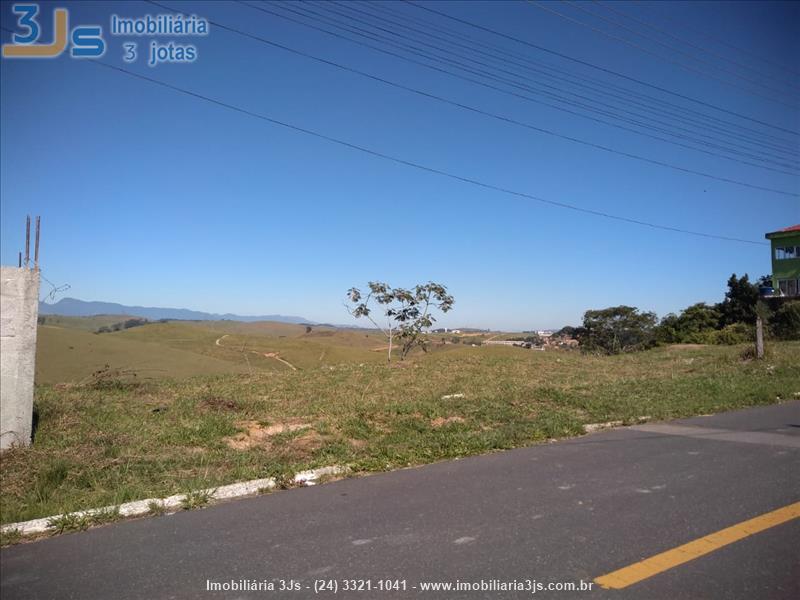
x=19 y=309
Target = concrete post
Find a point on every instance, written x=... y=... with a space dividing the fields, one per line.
x=759 y=337
x=19 y=311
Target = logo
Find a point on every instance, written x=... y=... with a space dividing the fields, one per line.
x=85 y=42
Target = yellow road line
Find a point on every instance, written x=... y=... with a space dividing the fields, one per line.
x=659 y=563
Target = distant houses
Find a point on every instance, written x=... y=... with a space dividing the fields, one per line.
x=532 y=339
x=520 y=343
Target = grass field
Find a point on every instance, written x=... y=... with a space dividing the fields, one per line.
x=109 y=439
x=68 y=350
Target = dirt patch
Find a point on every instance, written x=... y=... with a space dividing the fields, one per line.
x=279 y=359
x=256 y=434
x=306 y=444
x=220 y=403
x=442 y=421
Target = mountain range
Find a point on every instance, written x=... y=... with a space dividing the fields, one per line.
x=72 y=307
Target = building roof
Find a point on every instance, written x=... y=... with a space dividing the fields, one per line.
x=790 y=229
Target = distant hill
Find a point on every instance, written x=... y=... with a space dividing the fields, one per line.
x=72 y=307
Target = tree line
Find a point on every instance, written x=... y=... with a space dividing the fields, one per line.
x=732 y=321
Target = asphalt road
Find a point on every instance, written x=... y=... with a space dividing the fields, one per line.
x=562 y=512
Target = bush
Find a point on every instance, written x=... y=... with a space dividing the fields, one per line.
x=122 y=325
x=737 y=333
x=785 y=323
x=134 y=323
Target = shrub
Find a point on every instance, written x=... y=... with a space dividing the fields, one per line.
x=196 y=499
x=737 y=333
x=134 y=323
x=785 y=323
x=127 y=324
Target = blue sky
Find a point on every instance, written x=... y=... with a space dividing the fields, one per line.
x=152 y=197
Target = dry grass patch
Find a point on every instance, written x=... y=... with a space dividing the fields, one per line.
x=255 y=434
x=442 y=421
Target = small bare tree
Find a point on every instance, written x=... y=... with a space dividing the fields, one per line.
x=407 y=312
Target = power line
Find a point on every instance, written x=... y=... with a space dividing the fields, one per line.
x=594 y=85
x=599 y=68
x=664 y=32
x=473 y=109
x=412 y=164
x=517 y=94
x=600 y=86
x=655 y=54
x=738 y=135
x=529 y=89
x=707 y=35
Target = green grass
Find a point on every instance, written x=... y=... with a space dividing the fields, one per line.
x=194 y=499
x=109 y=441
x=10 y=537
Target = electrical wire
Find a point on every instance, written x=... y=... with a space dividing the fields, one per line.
x=600 y=68
x=650 y=52
x=473 y=109
x=737 y=64
x=682 y=52
x=412 y=164
x=526 y=88
x=440 y=30
x=707 y=35
x=595 y=86
x=55 y=289
x=773 y=151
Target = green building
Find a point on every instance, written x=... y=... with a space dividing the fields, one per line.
x=786 y=260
